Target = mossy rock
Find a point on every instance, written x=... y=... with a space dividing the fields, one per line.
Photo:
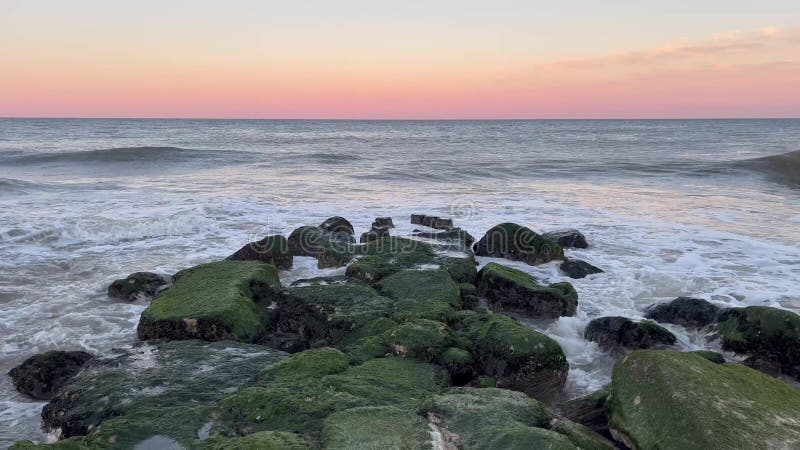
x=422 y=339
x=331 y=248
x=272 y=250
x=154 y=375
x=307 y=365
x=684 y=311
x=265 y=440
x=68 y=444
x=136 y=286
x=714 y=357
x=673 y=400
x=42 y=375
x=581 y=436
x=381 y=427
x=214 y=301
x=589 y=410
x=518 y=243
x=173 y=427
x=452 y=236
x=615 y=333
x=300 y=406
x=429 y=294
x=509 y=289
x=518 y=357
x=770 y=336
x=460 y=364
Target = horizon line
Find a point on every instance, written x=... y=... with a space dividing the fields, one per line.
x=320 y=119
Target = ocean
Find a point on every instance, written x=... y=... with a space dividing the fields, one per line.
x=670 y=208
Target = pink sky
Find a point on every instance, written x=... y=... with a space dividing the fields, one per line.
x=99 y=69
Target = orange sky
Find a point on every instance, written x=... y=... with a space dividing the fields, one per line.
x=260 y=61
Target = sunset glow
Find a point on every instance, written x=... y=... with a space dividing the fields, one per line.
x=513 y=60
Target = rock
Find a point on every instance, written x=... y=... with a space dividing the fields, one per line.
x=459 y=364
x=684 y=311
x=422 y=339
x=429 y=294
x=456 y=235
x=381 y=427
x=497 y=418
x=615 y=332
x=770 y=336
x=42 y=375
x=509 y=289
x=666 y=399
x=575 y=268
x=338 y=224
x=714 y=357
x=316 y=242
x=567 y=238
x=432 y=221
x=589 y=411
x=516 y=356
x=518 y=243
x=271 y=250
x=383 y=222
x=380 y=229
x=152 y=379
x=137 y=286
x=469 y=295
x=265 y=440
x=214 y=301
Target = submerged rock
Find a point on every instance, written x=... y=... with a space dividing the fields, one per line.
x=42 y=375
x=136 y=286
x=673 y=400
x=214 y=301
x=568 y=238
x=432 y=221
x=509 y=289
x=575 y=268
x=518 y=243
x=770 y=336
x=684 y=311
x=271 y=250
x=620 y=332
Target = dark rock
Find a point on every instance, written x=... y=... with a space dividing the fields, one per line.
x=453 y=235
x=575 y=268
x=568 y=238
x=614 y=332
x=383 y=222
x=589 y=411
x=338 y=224
x=373 y=235
x=41 y=376
x=469 y=295
x=509 y=289
x=432 y=221
x=770 y=336
x=271 y=250
x=332 y=249
x=518 y=243
x=684 y=311
x=711 y=356
x=139 y=285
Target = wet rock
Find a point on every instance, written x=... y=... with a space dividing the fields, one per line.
x=383 y=222
x=432 y=221
x=509 y=289
x=516 y=356
x=42 y=375
x=469 y=295
x=667 y=399
x=368 y=428
x=770 y=336
x=615 y=332
x=422 y=339
x=575 y=268
x=589 y=411
x=428 y=294
x=460 y=364
x=455 y=235
x=338 y=224
x=518 y=243
x=136 y=286
x=332 y=249
x=214 y=301
x=380 y=229
x=568 y=238
x=271 y=250
x=684 y=311
x=714 y=357
x=265 y=440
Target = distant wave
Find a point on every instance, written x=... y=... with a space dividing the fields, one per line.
x=784 y=167
x=13 y=185
x=123 y=155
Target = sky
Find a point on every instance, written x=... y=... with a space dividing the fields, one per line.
x=445 y=59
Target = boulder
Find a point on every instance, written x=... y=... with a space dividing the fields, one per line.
x=613 y=333
x=383 y=222
x=770 y=336
x=518 y=243
x=516 y=356
x=316 y=242
x=469 y=295
x=375 y=427
x=684 y=311
x=338 y=224
x=380 y=229
x=673 y=400
x=271 y=250
x=42 y=375
x=589 y=410
x=432 y=221
x=454 y=235
x=429 y=294
x=422 y=339
x=714 y=357
x=214 y=301
x=567 y=238
x=265 y=440
x=136 y=286
x=575 y=268
x=509 y=289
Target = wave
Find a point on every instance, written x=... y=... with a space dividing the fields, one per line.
x=123 y=155
x=784 y=167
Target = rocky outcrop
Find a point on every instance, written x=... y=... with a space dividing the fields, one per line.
x=684 y=311
x=513 y=290
x=518 y=243
x=575 y=268
x=271 y=250
x=338 y=224
x=380 y=229
x=214 y=301
x=42 y=375
x=568 y=238
x=673 y=400
x=613 y=333
x=432 y=221
x=137 y=286
x=454 y=235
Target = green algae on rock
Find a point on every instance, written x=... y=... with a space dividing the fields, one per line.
x=265 y=440
x=518 y=243
x=672 y=400
x=375 y=427
x=214 y=301
x=509 y=289
x=136 y=286
x=430 y=294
